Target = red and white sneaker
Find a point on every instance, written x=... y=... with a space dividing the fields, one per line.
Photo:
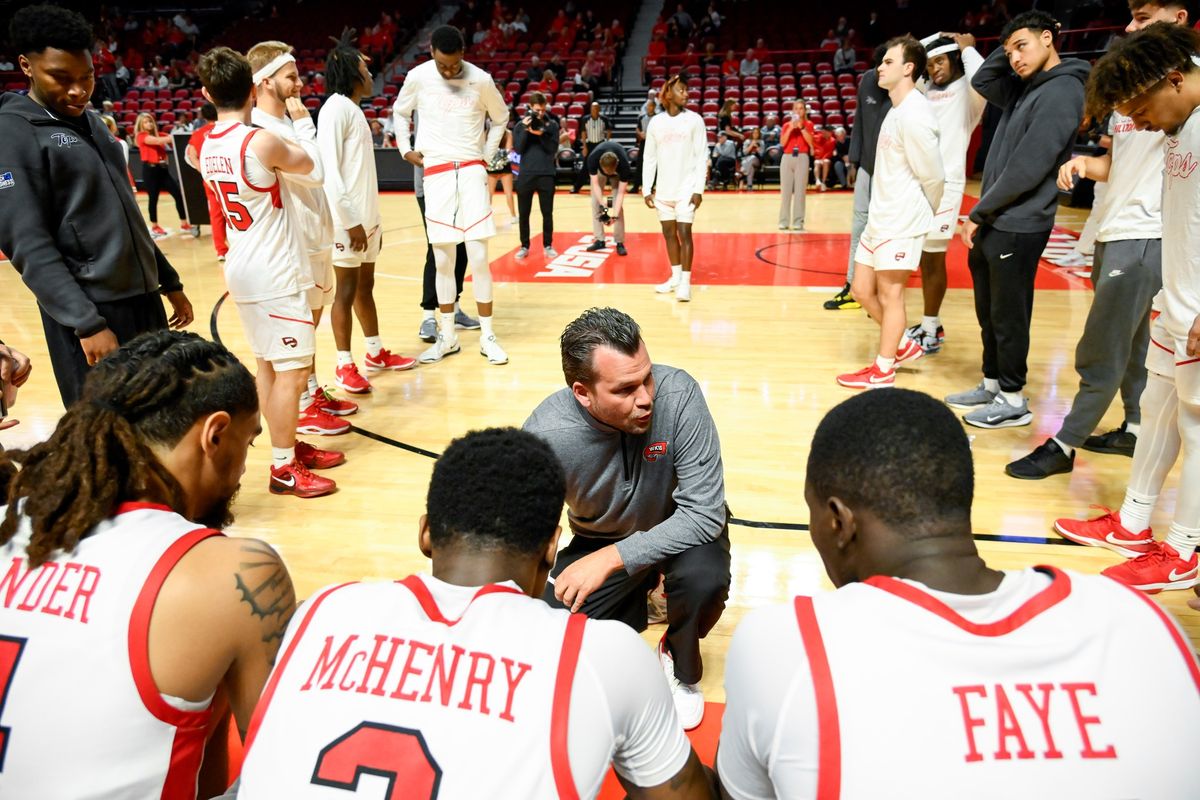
x=316 y=422
x=1108 y=532
x=909 y=351
x=349 y=379
x=388 y=360
x=1159 y=569
x=329 y=404
x=185 y=226
x=316 y=458
x=157 y=231
x=294 y=478
x=868 y=378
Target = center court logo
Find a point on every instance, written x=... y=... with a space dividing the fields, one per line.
x=576 y=261
x=654 y=451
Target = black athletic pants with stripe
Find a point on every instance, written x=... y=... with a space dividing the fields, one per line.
x=697 y=585
x=1003 y=267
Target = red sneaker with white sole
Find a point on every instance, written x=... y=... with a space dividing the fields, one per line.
x=388 y=360
x=294 y=478
x=868 y=378
x=1159 y=569
x=316 y=458
x=316 y=422
x=909 y=351
x=349 y=379
x=329 y=404
x=1107 y=531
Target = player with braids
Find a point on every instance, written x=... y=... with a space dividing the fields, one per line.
x=108 y=549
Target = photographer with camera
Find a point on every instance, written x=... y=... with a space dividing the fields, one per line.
x=608 y=163
x=535 y=137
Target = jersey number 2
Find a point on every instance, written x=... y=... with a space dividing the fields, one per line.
x=11 y=648
x=235 y=212
x=371 y=748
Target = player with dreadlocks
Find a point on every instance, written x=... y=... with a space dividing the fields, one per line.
x=1153 y=77
x=352 y=189
x=118 y=598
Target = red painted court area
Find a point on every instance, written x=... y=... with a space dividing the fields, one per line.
x=725 y=259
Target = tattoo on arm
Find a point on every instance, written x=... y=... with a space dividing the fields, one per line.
x=266 y=587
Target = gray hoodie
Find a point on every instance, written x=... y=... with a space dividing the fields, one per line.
x=656 y=494
x=1038 y=126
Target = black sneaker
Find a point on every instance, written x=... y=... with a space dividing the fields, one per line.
x=1119 y=442
x=595 y=246
x=621 y=251
x=1048 y=459
x=841 y=300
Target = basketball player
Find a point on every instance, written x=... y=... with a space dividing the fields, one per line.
x=453 y=97
x=952 y=61
x=647 y=493
x=1152 y=77
x=462 y=684
x=277 y=94
x=674 y=168
x=216 y=220
x=608 y=163
x=124 y=611
x=352 y=190
x=929 y=674
x=266 y=271
x=1126 y=274
x=909 y=179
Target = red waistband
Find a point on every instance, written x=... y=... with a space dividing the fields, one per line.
x=449 y=165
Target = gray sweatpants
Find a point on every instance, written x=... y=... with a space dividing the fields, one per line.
x=618 y=222
x=1111 y=355
x=793 y=186
x=858 y=223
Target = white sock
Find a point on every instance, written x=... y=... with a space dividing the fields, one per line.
x=1014 y=399
x=447 y=327
x=1133 y=427
x=374 y=345
x=685 y=279
x=676 y=271
x=1184 y=540
x=427 y=313
x=992 y=385
x=1135 y=511
x=305 y=401
x=313 y=385
x=930 y=324
x=884 y=364
x=1066 y=448
x=344 y=357
x=485 y=327
x=282 y=456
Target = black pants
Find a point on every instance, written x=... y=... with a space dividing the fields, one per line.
x=1003 y=267
x=429 y=300
x=126 y=319
x=157 y=178
x=697 y=586
x=543 y=185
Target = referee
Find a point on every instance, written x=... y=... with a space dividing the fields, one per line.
x=68 y=218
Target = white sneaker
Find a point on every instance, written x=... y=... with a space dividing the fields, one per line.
x=664 y=288
x=689 y=700
x=439 y=350
x=683 y=292
x=523 y=252
x=491 y=349
x=551 y=252
x=1072 y=259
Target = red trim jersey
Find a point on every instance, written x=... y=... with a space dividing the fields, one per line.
x=80 y=715
x=267 y=257
x=421 y=689
x=1055 y=685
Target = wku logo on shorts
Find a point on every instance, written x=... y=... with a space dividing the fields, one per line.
x=341 y=248
x=289 y=341
x=653 y=451
x=945 y=228
x=900 y=256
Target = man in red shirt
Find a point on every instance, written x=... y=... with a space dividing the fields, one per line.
x=796 y=141
x=192 y=155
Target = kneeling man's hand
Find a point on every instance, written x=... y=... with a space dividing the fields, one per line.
x=577 y=581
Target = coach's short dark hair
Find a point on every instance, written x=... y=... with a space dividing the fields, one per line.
x=1036 y=21
x=1139 y=61
x=596 y=327
x=227 y=76
x=34 y=28
x=1134 y=5
x=899 y=454
x=447 y=39
x=911 y=51
x=496 y=489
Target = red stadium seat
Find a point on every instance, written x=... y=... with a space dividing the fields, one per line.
x=750 y=94
x=835 y=119
x=831 y=105
x=809 y=93
x=712 y=82
x=824 y=67
x=786 y=68
x=850 y=104
x=181 y=93
x=750 y=121
x=750 y=106
x=803 y=68
x=771 y=94
x=558 y=109
x=575 y=110
x=712 y=94
x=770 y=107
x=582 y=97
x=710 y=107
x=163 y=94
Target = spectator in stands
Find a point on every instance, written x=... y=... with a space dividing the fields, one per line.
x=585 y=79
x=752 y=153
x=710 y=23
x=656 y=51
x=682 y=22
x=535 y=139
x=616 y=33
x=106 y=109
x=500 y=171
x=690 y=60
x=158 y=80
x=843 y=169
x=142 y=81
x=710 y=58
x=156 y=176
x=557 y=66
x=797 y=144
x=842 y=27
x=378 y=137
x=749 y=65
x=593 y=129
x=724 y=155
x=479 y=34
x=111 y=124
x=535 y=70
x=830 y=42
x=6 y=64
x=660 y=28
x=844 y=58
x=731 y=64
x=122 y=73
x=873 y=34
x=770 y=134
x=823 y=147
x=558 y=24
x=725 y=121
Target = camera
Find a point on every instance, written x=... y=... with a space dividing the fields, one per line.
x=536 y=121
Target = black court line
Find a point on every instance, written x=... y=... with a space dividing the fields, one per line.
x=760 y=255
x=745 y=523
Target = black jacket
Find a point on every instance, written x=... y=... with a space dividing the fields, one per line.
x=68 y=217
x=1034 y=138
x=537 y=152
x=873 y=105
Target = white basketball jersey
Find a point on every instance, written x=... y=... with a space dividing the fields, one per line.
x=266 y=258
x=80 y=715
x=1180 y=297
x=377 y=690
x=1088 y=689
